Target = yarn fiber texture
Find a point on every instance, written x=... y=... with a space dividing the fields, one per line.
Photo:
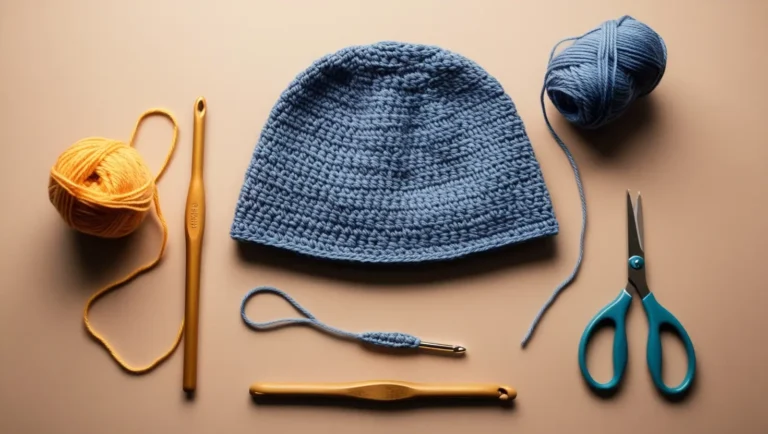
x=103 y=187
x=594 y=80
x=393 y=152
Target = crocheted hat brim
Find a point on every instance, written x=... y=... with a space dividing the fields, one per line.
x=440 y=253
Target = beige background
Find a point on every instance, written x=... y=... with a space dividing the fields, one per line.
x=696 y=149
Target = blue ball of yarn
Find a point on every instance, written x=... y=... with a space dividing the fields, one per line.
x=594 y=80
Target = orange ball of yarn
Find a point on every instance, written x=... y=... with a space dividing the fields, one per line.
x=102 y=187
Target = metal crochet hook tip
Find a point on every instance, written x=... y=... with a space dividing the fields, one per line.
x=443 y=347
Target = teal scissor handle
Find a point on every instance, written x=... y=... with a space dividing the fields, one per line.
x=614 y=313
x=658 y=317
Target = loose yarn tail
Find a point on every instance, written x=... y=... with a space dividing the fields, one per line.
x=112 y=286
x=568 y=280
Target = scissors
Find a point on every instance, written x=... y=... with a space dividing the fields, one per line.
x=658 y=317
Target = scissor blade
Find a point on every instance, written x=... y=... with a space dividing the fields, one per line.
x=639 y=220
x=633 y=237
x=636 y=266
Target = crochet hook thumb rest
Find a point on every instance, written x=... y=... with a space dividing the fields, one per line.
x=390 y=340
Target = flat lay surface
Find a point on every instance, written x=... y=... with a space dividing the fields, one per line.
x=695 y=148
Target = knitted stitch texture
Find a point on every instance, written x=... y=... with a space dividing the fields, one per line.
x=393 y=152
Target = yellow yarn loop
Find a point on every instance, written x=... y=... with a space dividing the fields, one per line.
x=102 y=187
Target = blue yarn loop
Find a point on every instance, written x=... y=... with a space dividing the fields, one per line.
x=382 y=339
x=591 y=83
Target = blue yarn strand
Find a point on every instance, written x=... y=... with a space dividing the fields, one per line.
x=383 y=339
x=591 y=83
x=568 y=280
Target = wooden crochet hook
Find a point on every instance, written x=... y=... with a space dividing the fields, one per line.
x=195 y=224
x=384 y=390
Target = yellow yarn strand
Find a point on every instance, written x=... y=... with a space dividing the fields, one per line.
x=103 y=187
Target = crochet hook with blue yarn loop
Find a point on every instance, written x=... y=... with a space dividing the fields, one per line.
x=658 y=318
x=392 y=340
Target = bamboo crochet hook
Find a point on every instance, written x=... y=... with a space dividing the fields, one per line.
x=195 y=224
x=384 y=390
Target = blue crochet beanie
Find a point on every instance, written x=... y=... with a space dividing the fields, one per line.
x=393 y=152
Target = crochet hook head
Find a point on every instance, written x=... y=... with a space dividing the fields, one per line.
x=442 y=347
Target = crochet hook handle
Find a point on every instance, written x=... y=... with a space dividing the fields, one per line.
x=384 y=390
x=195 y=224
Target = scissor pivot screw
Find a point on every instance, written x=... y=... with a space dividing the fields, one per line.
x=636 y=262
